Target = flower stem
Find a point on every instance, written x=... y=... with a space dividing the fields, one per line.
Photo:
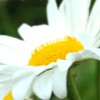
x=72 y=89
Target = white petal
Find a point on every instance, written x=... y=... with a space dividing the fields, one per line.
x=25 y=31
x=35 y=35
x=40 y=69
x=59 y=83
x=11 y=56
x=4 y=76
x=20 y=88
x=11 y=42
x=72 y=57
x=5 y=89
x=94 y=20
x=13 y=72
x=52 y=11
x=42 y=86
x=60 y=74
x=59 y=27
x=57 y=20
x=17 y=77
x=86 y=39
x=83 y=54
x=80 y=11
x=89 y=53
x=95 y=53
x=23 y=73
x=9 y=69
x=16 y=44
x=38 y=34
x=41 y=34
x=64 y=10
x=63 y=65
x=96 y=41
x=19 y=71
x=77 y=14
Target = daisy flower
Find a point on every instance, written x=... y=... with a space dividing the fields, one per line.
x=39 y=63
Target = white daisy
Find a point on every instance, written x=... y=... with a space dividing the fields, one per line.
x=39 y=63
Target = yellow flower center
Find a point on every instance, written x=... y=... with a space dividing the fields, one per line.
x=54 y=50
x=8 y=96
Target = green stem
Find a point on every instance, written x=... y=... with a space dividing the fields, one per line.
x=72 y=89
x=98 y=80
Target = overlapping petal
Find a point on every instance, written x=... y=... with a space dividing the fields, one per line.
x=76 y=13
x=12 y=76
x=37 y=35
x=6 y=87
x=94 y=19
x=52 y=12
x=59 y=83
x=11 y=56
x=21 y=87
x=43 y=85
x=70 y=19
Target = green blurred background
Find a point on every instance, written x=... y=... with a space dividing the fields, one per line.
x=33 y=12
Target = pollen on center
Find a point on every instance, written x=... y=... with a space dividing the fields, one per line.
x=54 y=50
x=8 y=96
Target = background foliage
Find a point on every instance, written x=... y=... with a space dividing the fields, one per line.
x=33 y=12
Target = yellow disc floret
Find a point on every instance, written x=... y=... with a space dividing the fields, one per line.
x=8 y=96
x=54 y=50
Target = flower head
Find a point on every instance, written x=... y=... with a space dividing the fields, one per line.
x=42 y=58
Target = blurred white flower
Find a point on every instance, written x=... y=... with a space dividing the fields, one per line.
x=39 y=63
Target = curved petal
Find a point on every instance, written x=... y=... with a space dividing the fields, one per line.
x=6 y=87
x=8 y=72
x=25 y=31
x=60 y=74
x=56 y=19
x=85 y=54
x=86 y=39
x=21 y=87
x=94 y=20
x=42 y=86
x=52 y=11
x=76 y=12
x=63 y=65
x=21 y=79
x=11 y=42
x=96 y=41
x=38 y=70
x=59 y=83
x=64 y=10
x=36 y=35
x=32 y=32
x=11 y=56
x=94 y=53
x=18 y=71
x=80 y=12
x=21 y=75
x=14 y=43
